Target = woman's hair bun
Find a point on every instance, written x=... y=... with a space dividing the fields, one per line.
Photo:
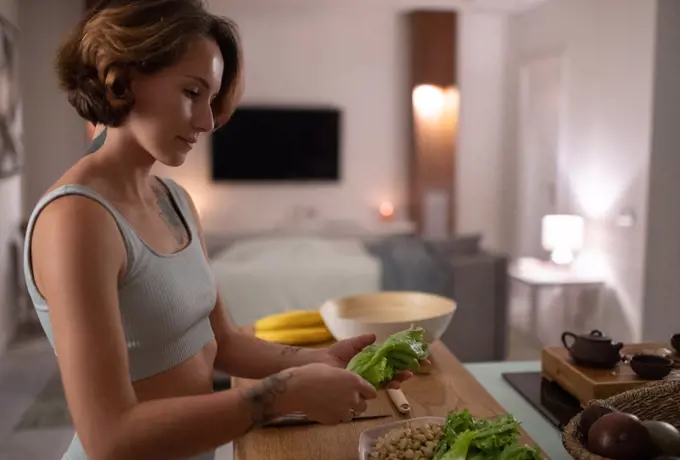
x=96 y=61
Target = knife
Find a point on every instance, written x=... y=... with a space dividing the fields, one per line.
x=298 y=419
x=399 y=400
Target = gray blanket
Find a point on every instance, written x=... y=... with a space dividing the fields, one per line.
x=411 y=264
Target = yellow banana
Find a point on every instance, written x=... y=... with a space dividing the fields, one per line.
x=293 y=319
x=301 y=336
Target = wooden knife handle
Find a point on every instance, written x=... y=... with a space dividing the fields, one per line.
x=399 y=400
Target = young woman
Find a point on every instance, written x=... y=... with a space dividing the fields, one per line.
x=116 y=262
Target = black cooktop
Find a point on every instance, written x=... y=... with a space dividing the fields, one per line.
x=551 y=400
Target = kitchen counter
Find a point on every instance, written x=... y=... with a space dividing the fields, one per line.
x=449 y=386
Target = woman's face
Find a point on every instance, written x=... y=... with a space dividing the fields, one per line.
x=173 y=107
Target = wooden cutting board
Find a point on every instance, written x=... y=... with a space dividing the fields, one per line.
x=586 y=383
x=448 y=386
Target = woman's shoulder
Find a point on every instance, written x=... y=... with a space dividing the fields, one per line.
x=84 y=173
x=78 y=197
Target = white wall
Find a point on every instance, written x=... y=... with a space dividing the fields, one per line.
x=662 y=289
x=607 y=131
x=10 y=210
x=482 y=51
x=55 y=134
x=353 y=56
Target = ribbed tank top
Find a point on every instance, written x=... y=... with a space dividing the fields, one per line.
x=165 y=299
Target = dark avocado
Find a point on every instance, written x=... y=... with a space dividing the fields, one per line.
x=621 y=436
x=590 y=415
x=665 y=436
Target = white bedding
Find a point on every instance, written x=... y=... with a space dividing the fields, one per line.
x=259 y=277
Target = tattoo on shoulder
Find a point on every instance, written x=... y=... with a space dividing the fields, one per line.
x=288 y=350
x=97 y=142
x=261 y=397
x=170 y=215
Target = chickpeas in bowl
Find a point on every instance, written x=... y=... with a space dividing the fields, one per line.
x=416 y=438
x=417 y=443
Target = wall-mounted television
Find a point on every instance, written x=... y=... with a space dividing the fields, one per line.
x=278 y=144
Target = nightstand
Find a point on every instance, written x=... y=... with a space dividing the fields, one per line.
x=536 y=275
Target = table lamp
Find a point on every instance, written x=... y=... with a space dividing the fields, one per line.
x=562 y=234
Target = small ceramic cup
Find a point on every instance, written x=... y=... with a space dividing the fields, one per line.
x=675 y=342
x=651 y=367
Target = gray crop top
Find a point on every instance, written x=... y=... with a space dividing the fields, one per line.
x=165 y=299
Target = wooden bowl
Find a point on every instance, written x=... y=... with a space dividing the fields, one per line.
x=385 y=313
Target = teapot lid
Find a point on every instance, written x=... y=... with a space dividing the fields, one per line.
x=596 y=336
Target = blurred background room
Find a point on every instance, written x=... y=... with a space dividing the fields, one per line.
x=518 y=156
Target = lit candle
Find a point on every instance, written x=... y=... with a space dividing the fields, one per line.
x=386 y=210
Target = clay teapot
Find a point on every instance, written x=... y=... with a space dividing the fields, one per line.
x=593 y=349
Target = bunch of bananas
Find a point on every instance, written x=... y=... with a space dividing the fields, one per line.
x=295 y=327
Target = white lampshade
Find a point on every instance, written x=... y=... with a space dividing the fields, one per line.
x=563 y=235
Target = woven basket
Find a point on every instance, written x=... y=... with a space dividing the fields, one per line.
x=653 y=401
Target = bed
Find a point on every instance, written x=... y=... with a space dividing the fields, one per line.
x=259 y=276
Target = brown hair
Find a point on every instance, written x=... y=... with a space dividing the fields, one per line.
x=116 y=37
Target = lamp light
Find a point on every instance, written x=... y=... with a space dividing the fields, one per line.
x=562 y=234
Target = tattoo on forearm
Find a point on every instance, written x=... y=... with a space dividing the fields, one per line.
x=288 y=350
x=169 y=214
x=261 y=397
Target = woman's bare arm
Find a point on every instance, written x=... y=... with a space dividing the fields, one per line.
x=242 y=354
x=78 y=257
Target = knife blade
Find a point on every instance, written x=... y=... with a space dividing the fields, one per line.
x=301 y=419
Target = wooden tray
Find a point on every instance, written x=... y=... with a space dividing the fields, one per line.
x=586 y=383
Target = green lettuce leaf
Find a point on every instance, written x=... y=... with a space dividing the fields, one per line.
x=517 y=452
x=456 y=423
x=482 y=439
x=378 y=364
x=459 y=449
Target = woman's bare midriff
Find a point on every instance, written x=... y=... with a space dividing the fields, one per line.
x=192 y=377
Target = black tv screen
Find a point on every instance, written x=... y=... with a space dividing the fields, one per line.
x=274 y=144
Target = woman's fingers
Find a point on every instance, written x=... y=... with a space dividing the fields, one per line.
x=396 y=381
x=393 y=385
x=360 y=407
x=366 y=390
x=402 y=376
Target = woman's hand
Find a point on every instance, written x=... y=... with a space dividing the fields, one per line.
x=327 y=394
x=340 y=353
